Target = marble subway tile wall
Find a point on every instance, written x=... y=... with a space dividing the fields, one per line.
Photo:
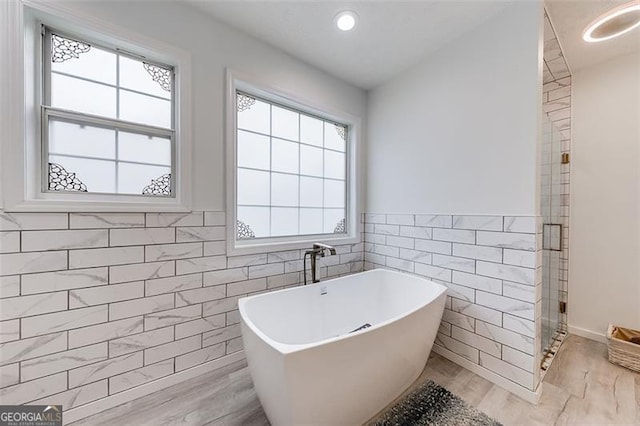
x=491 y=267
x=556 y=103
x=95 y=304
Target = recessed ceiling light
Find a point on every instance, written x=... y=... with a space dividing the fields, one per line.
x=346 y=20
x=613 y=23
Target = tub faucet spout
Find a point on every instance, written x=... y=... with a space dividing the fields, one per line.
x=318 y=249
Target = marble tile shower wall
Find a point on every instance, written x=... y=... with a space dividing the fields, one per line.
x=94 y=304
x=491 y=266
x=556 y=103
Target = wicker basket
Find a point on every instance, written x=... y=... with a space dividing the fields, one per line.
x=621 y=350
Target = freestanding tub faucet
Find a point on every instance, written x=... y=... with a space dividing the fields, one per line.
x=318 y=249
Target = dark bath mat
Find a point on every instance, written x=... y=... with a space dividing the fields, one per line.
x=431 y=404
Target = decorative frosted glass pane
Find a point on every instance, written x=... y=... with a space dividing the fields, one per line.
x=74 y=139
x=284 y=156
x=144 y=149
x=97 y=175
x=253 y=150
x=334 y=136
x=310 y=221
x=253 y=187
x=310 y=160
x=332 y=217
x=134 y=76
x=256 y=218
x=306 y=186
x=145 y=109
x=83 y=96
x=334 y=165
x=284 y=123
x=310 y=130
x=284 y=190
x=310 y=192
x=133 y=178
x=96 y=64
x=333 y=193
x=284 y=221
x=256 y=118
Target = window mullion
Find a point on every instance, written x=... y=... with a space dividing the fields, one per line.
x=299 y=179
x=324 y=127
x=117 y=153
x=110 y=123
x=271 y=168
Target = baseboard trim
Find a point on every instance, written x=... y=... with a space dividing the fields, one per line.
x=588 y=334
x=111 y=401
x=527 y=395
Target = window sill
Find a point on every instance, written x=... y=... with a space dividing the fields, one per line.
x=94 y=206
x=246 y=246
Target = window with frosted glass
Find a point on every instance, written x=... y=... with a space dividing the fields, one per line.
x=108 y=120
x=291 y=171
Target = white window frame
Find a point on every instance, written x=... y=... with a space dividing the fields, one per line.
x=23 y=155
x=237 y=81
x=50 y=112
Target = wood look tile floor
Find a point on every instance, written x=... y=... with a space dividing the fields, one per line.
x=581 y=388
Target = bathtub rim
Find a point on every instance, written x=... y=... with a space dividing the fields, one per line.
x=287 y=348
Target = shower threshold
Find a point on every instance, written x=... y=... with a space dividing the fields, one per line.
x=551 y=350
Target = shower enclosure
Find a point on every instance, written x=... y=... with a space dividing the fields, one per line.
x=553 y=325
x=554 y=192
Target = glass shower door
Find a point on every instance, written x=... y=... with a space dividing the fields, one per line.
x=551 y=211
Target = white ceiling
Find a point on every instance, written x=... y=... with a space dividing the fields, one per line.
x=570 y=18
x=393 y=35
x=390 y=36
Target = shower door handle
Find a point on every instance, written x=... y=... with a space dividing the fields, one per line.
x=552 y=236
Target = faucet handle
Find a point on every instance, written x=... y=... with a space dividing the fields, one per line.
x=320 y=248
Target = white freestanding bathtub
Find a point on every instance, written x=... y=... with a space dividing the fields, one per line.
x=308 y=365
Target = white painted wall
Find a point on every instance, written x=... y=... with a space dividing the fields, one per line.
x=604 y=258
x=459 y=132
x=215 y=46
